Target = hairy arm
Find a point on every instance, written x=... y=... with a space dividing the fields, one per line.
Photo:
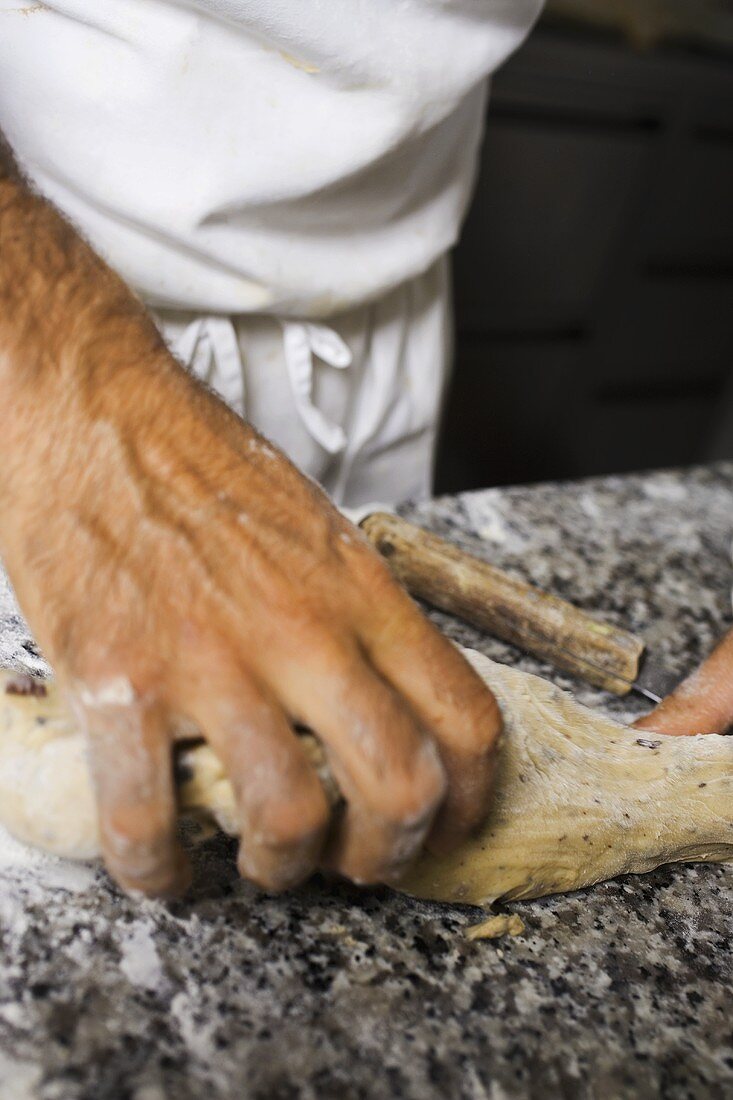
x=56 y=294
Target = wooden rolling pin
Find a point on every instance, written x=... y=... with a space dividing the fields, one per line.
x=452 y=580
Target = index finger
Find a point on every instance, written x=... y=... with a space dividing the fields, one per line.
x=130 y=756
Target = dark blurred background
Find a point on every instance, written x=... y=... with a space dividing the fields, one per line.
x=594 y=278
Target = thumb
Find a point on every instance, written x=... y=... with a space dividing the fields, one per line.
x=703 y=703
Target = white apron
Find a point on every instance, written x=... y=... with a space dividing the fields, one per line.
x=279 y=180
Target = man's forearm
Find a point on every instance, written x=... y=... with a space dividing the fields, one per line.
x=80 y=359
x=63 y=311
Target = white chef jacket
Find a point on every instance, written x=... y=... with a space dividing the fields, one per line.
x=296 y=160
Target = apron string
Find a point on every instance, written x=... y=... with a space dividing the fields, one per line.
x=209 y=347
x=301 y=341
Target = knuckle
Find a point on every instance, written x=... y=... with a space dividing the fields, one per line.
x=411 y=796
x=106 y=692
x=481 y=732
x=305 y=619
x=136 y=836
x=332 y=650
x=323 y=638
x=283 y=848
x=297 y=822
x=144 y=862
x=113 y=687
x=164 y=880
x=274 y=878
x=372 y=873
x=376 y=574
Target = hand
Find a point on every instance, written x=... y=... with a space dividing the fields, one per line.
x=181 y=574
x=703 y=703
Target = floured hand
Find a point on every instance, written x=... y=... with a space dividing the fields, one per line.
x=179 y=572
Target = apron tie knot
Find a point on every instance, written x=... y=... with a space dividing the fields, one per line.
x=301 y=341
x=210 y=349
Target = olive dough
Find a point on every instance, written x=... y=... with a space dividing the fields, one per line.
x=579 y=798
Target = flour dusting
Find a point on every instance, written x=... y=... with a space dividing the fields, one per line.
x=140 y=962
x=485 y=512
x=31 y=866
x=196 y=1032
x=18 y=1080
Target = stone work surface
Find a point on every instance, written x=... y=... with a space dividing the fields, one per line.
x=623 y=990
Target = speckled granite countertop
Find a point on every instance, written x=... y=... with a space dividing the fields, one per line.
x=623 y=990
